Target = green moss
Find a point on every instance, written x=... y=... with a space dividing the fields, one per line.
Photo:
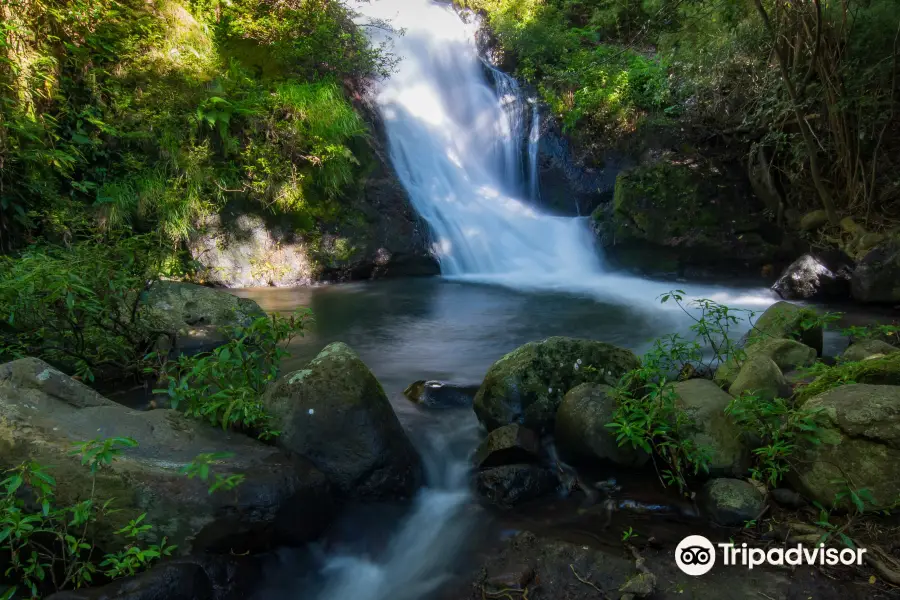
x=877 y=371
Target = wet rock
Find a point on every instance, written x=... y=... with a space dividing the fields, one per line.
x=788 y=498
x=510 y=485
x=516 y=577
x=867 y=349
x=877 y=276
x=731 y=502
x=759 y=375
x=705 y=404
x=220 y=577
x=581 y=432
x=527 y=385
x=639 y=586
x=822 y=277
x=787 y=354
x=784 y=320
x=679 y=213
x=336 y=414
x=508 y=445
x=43 y=413
x=439 y=394
x=860 y=437
x=194 y=315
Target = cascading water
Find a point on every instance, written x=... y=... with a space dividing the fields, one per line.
x=534 y=138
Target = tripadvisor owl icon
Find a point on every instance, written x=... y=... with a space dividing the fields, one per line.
x=695 y=555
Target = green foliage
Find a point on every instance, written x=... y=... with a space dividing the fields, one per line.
x=647 y=414
x=49 y=546
x=889 y=333
x=77 y=307
x=118 y=114
x=628 y=534
x=777 y=426
x=884 y=370
x=201 y=467
x=226 y=386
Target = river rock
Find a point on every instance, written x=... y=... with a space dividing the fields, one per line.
x=705 y=403
x=760 y=375
x=510 y=485
x=507 y=445
x=877 y=276
x=867 y=349
x=336 y=414
x=731 y=502
x=439 y=394
x=822 y=277
x=194 y=315
x=371 y=233
x=527 y=385
x=860 y=439
x=784 y=320
x=679 y=213
x=581 y=428
x=788 y=355
x=43 y=413
x=209 y=577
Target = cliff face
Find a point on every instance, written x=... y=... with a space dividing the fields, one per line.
x=376 y=233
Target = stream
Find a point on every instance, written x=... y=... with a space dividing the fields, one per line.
x=462 y=138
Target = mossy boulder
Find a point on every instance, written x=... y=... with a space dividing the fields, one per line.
x=581 y=428
x=527 y=385
x=335 y=413
x=875 y=370
x=788 y=354
x=731 y=502
x=760 y=375
x=194 y=316
x=43 y=413
x=784 y=320
x=705 y=403
x=860 y=443
x=509 y=485
x=680 y=212
x=509 y=444
x=877 y=276
x=867 y=349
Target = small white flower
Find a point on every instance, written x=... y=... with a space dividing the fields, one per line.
x=312 y=412
x=578 y=362
x=550 y=390
x=576 y=366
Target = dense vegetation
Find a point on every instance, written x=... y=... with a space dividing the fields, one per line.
x=147 y=116
x=808 y=90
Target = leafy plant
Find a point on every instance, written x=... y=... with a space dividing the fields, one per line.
x=225 y=386
x=201 y=467
x=77 y=307
x=628 y=534
x=778 y=426
x=49 y=545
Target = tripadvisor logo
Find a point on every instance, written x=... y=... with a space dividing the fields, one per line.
x=696 y=555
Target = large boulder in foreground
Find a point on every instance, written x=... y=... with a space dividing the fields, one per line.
x=208 y=577
x=705 y=403
x=43 y=413
x=784 y=320
x=860 y=440
x=336 y=414
x=581 y=428
x=527 y=385
x=877 y=276
x=194 y=315
x=823 y=278
x=759 y=375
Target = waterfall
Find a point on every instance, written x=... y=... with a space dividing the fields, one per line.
x=534 y=138
x=457 y=142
